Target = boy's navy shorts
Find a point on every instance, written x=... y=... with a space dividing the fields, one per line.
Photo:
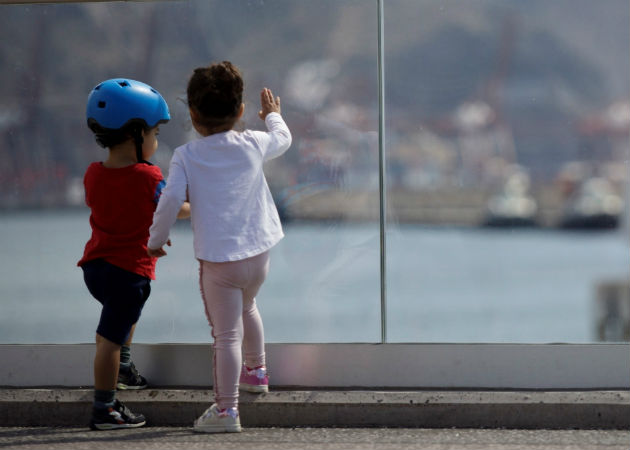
x=122 y=294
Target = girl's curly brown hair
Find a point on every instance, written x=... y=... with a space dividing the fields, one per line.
x=215 y=93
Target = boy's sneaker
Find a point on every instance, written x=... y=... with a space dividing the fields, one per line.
x=130 y=378
x=214 y=420
x=118 y=416
x=254 y=380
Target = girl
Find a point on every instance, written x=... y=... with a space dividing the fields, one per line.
x=235 y=223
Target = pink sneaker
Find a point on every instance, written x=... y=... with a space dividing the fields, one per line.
x=254 y=380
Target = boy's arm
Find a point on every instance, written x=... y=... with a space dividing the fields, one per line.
x=184 y=211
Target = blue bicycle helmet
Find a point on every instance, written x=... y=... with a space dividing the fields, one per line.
x=120 y=101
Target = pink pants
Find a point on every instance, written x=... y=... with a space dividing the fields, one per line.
x=228 y=290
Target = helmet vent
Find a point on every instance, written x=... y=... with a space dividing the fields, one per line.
x=102 y=104
x=123 y=83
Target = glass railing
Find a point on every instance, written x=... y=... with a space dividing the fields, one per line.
x=474 y=177
x=507 y=142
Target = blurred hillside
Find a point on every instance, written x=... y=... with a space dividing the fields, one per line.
x=543 y=68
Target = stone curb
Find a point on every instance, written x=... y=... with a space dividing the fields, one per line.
x=338 y=408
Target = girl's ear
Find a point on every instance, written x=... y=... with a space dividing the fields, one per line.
x=240 y=111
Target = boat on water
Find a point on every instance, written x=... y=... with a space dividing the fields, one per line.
x=513 y=206
x=594 y=205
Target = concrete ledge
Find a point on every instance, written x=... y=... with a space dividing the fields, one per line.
x=411 y=367
x=343 y=408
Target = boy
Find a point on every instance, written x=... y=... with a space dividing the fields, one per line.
x=122 y=193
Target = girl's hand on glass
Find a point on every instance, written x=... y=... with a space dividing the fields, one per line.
x=268 y=103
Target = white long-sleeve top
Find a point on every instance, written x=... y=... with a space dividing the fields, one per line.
x=232 y=211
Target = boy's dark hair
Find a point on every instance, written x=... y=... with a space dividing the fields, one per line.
x=108 y=138
x=216 y=94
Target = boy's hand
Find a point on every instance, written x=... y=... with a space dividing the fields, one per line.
x=158 y=252
x=268 y=104
x=184 y=211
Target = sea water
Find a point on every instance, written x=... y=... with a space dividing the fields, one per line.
x=443 y=284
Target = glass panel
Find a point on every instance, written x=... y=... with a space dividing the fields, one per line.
x=320 y=57
x=507 y=149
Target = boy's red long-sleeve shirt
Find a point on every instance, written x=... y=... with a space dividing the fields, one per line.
x=122 y=202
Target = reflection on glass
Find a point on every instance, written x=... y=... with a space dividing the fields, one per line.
x=507 y=135
x=507 y=147
x=324 y=283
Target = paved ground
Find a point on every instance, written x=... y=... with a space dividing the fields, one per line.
x=589 y=420
x=314 y=438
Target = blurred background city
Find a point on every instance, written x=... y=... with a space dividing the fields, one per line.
x=501 y=117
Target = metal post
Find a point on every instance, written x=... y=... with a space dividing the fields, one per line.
x=381 y=169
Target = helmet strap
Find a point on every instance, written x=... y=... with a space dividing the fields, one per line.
x=138 y=140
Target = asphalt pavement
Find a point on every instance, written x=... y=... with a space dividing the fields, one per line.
x=314 y=438
x=56 y=418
